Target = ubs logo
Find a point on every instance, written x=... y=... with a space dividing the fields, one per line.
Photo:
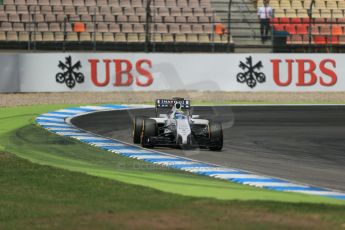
x=69 y=74
x=251 y=74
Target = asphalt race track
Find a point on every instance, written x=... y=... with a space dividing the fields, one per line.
x=300 y=143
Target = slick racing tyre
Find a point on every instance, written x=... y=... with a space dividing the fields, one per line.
x=137 y=128
x=149 y=130
x=216 y=136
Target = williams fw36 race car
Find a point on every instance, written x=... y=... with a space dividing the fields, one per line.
x=177 y=127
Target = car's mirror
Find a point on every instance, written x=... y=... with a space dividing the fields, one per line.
x=163 y=116
x=195 y=116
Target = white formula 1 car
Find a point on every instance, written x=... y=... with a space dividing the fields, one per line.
x=177 y=127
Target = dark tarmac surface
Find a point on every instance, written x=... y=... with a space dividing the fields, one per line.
x=299 y=143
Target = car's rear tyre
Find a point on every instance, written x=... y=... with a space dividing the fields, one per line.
x=216 y=136
x=138 y=123
x=149 y=130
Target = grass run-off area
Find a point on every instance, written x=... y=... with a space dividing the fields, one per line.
x=88 y=188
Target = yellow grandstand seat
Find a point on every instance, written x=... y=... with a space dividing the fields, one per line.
x=131 y=37
x=326 y=13
x=285 y=4
x=320 y=4
x=274 y=4
x=120 y=37
x=59 y=36
x=98 y=37
x=332 y=4
x=108 y=37
x=12 y=36
x=302 y=13
x=192 y=38
x=337 y=13
x=341 y=5
x=48 y=37
x=290 y=13
x=180 y=38
x=23 y=36
x=279 y=13
x=204 y=38
x=295 y=4
x=84 y=37
x=2 y=36
x=36 y=36
x=167 y=38
x=316 y=13
x=72 y=37
x=157 y=38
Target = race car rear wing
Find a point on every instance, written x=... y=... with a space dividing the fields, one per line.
x=169 y=103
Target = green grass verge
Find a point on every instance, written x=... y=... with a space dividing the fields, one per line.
x=18 y=135
x=42 y=197
x=139 y=195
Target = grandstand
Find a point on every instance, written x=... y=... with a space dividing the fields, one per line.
x=121 y=25
x=170 y=25
x=309 y=27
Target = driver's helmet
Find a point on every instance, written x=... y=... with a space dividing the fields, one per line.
x=178 y=114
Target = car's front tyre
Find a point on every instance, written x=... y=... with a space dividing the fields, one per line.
x=138 y=123
x=216 y=136
x=149 y=130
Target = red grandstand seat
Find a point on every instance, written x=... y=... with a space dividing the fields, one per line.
x=341 y=20
x=302 y=29
x=284 y=20
x=79 y=27
x=331 y=20
x=274 y=21
x=279 y=27
x=295 y=39
x=291 y=29
x=305 y=20
x=320 y=40
x=315 y=29
x=296 y=21
x=337 y=30
x=333 y=40
x=305 y=39
x=319 y=20
x=325 y=29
